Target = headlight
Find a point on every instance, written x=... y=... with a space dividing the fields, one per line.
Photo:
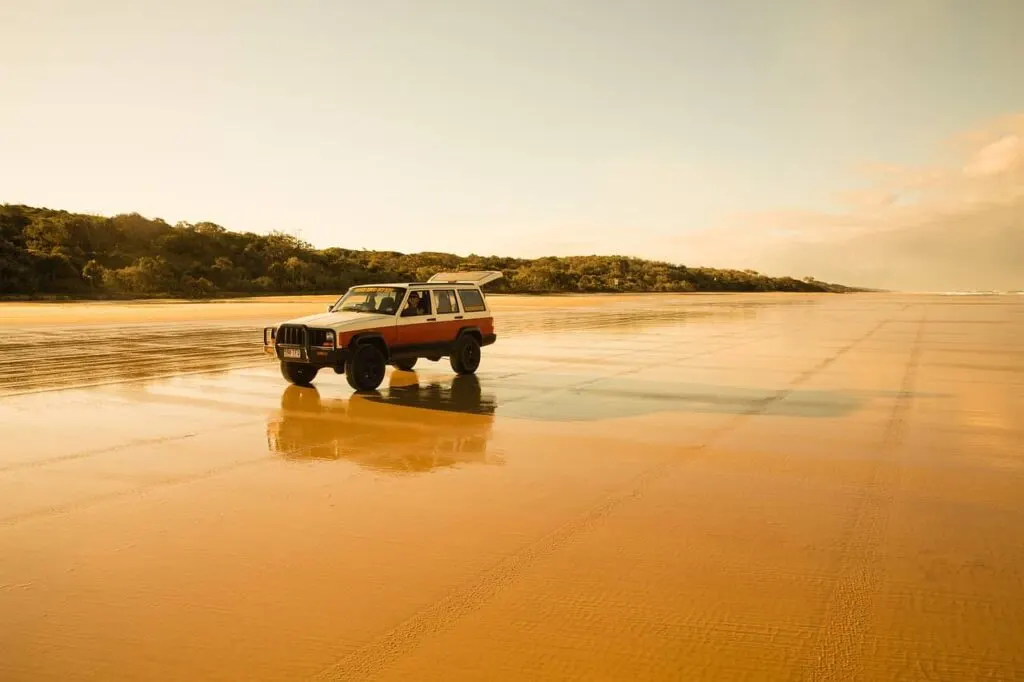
x=329 y=337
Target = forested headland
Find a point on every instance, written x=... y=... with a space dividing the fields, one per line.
x=45 y=253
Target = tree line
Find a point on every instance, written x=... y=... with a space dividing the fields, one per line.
x=45 y=252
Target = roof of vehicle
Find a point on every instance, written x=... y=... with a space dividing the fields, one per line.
x=478 y=277
x=475 y=278
x=414 y=284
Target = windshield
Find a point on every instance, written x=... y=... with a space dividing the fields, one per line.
x=370 y=300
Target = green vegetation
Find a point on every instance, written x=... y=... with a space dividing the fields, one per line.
x=46 y=252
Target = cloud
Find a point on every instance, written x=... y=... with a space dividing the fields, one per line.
x=954 y=225
x=1000 y=157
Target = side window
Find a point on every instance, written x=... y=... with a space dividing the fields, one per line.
x=446 y=302
x=472 y=300
x=421 y=305
x=425 y=307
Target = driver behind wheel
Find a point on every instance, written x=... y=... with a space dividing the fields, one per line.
x=412 y=306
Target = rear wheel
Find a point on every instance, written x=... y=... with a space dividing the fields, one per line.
x=406 y=365
x=365 y=367
x=465 y=357
x=298 y=373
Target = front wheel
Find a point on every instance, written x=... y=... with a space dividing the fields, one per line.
x=365 y=367
x=406 y=365
x=465 y=357
x=298 y=373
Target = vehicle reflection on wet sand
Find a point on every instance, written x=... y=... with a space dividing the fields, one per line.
x=770 y=488
x=374 y=431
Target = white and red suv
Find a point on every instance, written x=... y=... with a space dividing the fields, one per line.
x=374 y=325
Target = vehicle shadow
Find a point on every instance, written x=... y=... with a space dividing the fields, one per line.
x=374 y=432
x=579 y=397
x=418 y=424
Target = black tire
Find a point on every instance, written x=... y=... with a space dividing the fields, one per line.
x=298 y=373
x=406 y=365
x=465 y=357
x=365 y=367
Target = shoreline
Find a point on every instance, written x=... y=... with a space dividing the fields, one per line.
x=67 y=298
x=265 y=309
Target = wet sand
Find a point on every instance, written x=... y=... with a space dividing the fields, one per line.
x=656 y=487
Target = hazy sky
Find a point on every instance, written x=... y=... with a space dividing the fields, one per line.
x=518 y=127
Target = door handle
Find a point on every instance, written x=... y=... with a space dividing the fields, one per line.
x=458 y=317
x=431 y=319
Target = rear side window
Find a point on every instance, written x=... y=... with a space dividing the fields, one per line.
x=472 y=300
x=446 y=301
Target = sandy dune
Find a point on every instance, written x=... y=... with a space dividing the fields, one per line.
x=653 y=487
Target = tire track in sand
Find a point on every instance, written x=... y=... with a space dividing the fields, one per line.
x=379 y=654
x=845 y=625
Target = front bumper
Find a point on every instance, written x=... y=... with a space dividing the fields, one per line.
x=321 y=357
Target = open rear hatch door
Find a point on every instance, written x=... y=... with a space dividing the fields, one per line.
x=478 y=277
